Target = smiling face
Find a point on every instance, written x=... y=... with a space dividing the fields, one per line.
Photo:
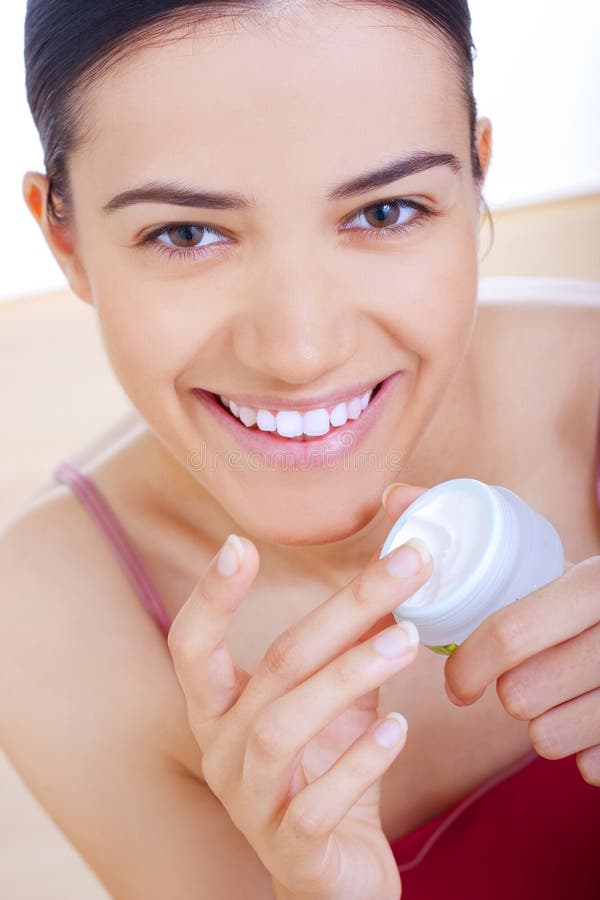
x=300 y=291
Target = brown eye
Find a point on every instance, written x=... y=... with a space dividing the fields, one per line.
x=182 y=240
x=385 y=214
x=184 y=235
x=389 y=218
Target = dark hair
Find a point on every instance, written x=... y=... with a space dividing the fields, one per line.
x=68 y=43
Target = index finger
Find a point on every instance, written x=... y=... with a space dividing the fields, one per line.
x=559 y=610
x=202 y=660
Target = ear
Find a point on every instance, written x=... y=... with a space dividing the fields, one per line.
x=59 y=236
x=483 y=140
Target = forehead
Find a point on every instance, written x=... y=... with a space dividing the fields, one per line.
x=299 y=87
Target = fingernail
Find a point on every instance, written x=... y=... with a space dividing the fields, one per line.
x=409 y=558
x=391 y=487
x=231 y=556
x=395 y=641
x=391 y=730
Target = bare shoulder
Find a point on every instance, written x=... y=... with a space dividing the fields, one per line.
x=538 y=326
x=545 y=355
x=91 y=711
x=67 y=583
x=63 y=584
x=542 y=376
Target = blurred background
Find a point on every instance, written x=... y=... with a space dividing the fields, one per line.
x=537 y=76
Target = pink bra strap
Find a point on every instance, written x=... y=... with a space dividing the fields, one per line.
x=91 y=497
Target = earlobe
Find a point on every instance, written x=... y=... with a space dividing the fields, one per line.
x=78 y=283
x=58 y=236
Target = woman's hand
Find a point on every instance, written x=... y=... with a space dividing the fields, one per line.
x=543 y=651
x=291 y=751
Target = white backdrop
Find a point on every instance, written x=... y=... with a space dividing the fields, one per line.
x=537 y=76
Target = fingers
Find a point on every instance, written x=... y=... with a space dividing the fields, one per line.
x=331 y=628
x=196 y=640
x=568 y=728
x=281 y=731
x=316 y=810
x=588 y=763
x=397 y=497
x=556 y=612
x=552 y=677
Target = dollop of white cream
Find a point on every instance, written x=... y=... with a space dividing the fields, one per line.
x=453 y=525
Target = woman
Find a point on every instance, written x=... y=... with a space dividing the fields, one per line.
x=274 y=210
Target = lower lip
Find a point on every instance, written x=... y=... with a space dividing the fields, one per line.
x=280 y=452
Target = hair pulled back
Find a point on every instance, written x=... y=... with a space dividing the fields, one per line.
x=68 y=43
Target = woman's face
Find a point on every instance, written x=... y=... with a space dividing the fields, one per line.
x=296 y=294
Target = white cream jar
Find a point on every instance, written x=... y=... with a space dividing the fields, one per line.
x=488 y=548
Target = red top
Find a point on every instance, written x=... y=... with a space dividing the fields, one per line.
x=532 y=832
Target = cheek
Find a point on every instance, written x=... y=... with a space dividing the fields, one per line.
x=148 y=326
x=431 y=305
x=148 y=344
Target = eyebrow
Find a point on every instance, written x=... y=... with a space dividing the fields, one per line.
x=175 y=195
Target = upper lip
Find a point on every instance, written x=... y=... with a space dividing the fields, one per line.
x=316 y=401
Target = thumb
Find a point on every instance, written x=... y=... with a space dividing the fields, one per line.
x=398 y=496
x=395 y=499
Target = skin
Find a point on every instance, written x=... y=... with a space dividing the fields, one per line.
x=291 y=304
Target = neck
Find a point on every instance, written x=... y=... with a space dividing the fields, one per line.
x=332 y=563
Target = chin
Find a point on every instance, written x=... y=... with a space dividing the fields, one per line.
x=308 y=522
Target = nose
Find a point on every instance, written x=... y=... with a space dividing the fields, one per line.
x=295 y=332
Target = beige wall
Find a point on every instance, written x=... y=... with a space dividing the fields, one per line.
x=560 y=239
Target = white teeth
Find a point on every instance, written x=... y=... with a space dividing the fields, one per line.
x=316 y=422
x=339 y=414
x=289 y=424
x=265 y=420
x=294 y=424
x=354 y=409
x=248 y=416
